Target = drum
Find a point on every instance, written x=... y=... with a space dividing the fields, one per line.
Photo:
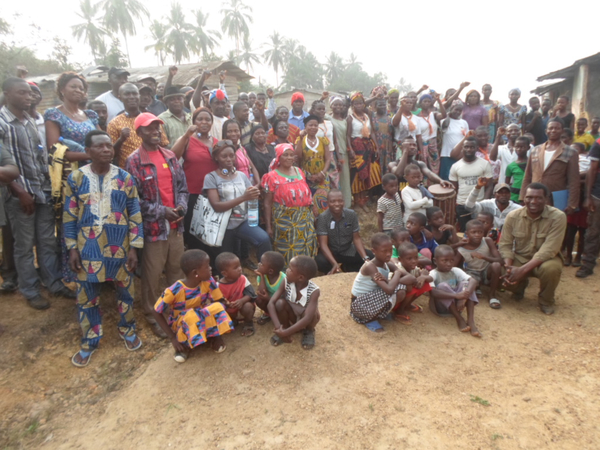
x=445 y=199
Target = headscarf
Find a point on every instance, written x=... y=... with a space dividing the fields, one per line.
x=425 y=97
x=356 y=95
x=279 y=150
x=334 y=98
x=219 y=94
x=297 y=96
x=393 y=91
x=36 y=88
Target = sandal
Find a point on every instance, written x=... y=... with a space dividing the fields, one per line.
x=248 y=329
x=403 y=318
x=84 y=357
x=262 y=320
x=276 y=341
x=495 y=303
x=415 y=308
x=132 y=343
x=308 y=339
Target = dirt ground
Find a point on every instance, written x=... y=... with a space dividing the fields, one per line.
x=531 y=383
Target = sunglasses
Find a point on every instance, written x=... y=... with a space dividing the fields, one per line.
x=224 y=143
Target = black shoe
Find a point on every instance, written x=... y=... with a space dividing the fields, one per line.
x=38 y=302
x=248 y=264
x=547 y=309
x=65 y=292
x=584 y=272
x=9 y=286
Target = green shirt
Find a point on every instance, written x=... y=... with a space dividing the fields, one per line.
x=174 y=126
x=516 y=171
x=271 y=288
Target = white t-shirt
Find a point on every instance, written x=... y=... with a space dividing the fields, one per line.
x=217 y=127
x=426 y=133
x=402 y=130
x=466 y=175
x=114 y=106
x=453 y=278
x=457 y=129
x=505 y=156
x=414 y=201
x=547 y=157
x=326 y=130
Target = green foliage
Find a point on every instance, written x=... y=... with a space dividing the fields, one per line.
x=481 y=401
x=235 y=21
x=90 y=31
x=120 y=17
x=114 y=57
x=180 y=38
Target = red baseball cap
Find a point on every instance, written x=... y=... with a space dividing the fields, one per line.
x=145 y=119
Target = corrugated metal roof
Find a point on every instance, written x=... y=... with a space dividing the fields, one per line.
x=570 y=71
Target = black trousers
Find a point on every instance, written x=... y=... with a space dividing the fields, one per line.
x=349 y=263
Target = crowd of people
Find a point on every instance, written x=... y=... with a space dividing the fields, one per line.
x=106 y=190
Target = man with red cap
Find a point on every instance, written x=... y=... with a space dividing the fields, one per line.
x=163 y=194
x=297 y=114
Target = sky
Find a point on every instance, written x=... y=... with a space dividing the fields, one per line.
x=441 y=44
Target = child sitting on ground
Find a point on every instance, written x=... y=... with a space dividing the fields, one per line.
x=487 y=220
x=415 y=197
x=442 y=232
x=452 y=290
x=389 y=205
x=237 y=291
x=409 y=259
x=399 y=237
x=295 y=305
x=270 y=276
x=515 y=171
x=480 y=259
x=416 y=228
x=374 y=294
x=195 y=312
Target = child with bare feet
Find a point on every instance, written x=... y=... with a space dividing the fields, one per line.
x=481 y=259
x=409 y=260
x=270 y=276
x=452 y=290
x=196 y=314
x=374 y=293
x=237 y=291
x=442 y=232
x=399 y=237
x=295 y=305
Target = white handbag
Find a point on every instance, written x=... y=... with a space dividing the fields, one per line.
x=208 y=225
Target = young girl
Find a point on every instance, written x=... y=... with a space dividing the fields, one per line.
x=389 y=205
x=374 y=294
x=443 y=233
x=314 y=156
x=195 y=312
x=295 y=305
x=270 y=276
x=409 y=261
x=414 y=195
x=232 y=132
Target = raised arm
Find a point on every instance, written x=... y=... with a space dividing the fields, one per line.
x=197 y=97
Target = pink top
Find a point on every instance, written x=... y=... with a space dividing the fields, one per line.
x=288 y=191
x=242 y=162
x=197 y=163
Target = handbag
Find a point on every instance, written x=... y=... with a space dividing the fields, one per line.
x=208 y=225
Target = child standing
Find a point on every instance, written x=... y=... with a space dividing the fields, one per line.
x=515 y=171
x=481 y=259
x=237 y=291
x=452 y=290
x=295 y=305
x=577 y=222
x=442 y=232
x=389 y=205
x=409 y=260
x=416 y=225
x=414 y=196
x=374 y=294
x=270 y=276
x=196 y=313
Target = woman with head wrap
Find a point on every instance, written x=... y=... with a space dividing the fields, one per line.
x=282 y=114
x=340 y=126
x=512 y=112
x=474 y=113
x=326 y=130
x=288 y=206
x=429 y=121
x=362 y=150
x=491 y=106
x=314 y=157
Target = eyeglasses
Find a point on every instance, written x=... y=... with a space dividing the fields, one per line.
x=224 y=143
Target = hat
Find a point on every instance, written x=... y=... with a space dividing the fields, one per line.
x=172 y=92
x=218 y=94
x=145 y=87
x=117 y=71
x=145 y=119
x=145 y=78
x=501 y=186
x=297 y=96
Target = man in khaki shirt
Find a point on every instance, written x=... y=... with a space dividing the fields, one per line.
x=530 y=245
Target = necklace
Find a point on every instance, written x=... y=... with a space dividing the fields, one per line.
x=312 y=145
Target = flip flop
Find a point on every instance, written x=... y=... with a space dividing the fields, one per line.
x=130 y=342
x=308 y=339
x=495 y=303
x=403 y=318
x=248 y=329
x=85 y=356
x=374 y=326
x=265 y=318
x=415 y=308
x=276 y=341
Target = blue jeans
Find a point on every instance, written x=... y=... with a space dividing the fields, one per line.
x=36 y=230
x=252 y=235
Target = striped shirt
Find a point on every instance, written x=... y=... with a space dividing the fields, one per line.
x=23 y=142
x=392 y=211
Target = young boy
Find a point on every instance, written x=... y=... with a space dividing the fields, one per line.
x=487 y=220
x=295 y=305
x=237 y=291
x=414 y=195
x=270 y=276
x=389 y=205
x=416 y=225
x=452 y=290
x=481 y=259
x=399 y=237
x=583 y=137
x=595 y=131
x=515 y=171
x=196 y=314
x=567 y=136
x=442 y=232
x=409 y=260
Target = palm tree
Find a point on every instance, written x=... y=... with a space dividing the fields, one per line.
x=120 y=16
x=334 y=67
x=247 y=57
x=404 y=87
x=290 y=46
x=158 y=32
x=232 y=56
x=206 y=40
x=180 y=37
x=235 y=21
x=274 y=55
x=88 y=31
x=353 y=61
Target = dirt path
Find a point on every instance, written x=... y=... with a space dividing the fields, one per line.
x=530 y=383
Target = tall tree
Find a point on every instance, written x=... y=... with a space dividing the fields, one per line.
x=275 y=54
x=89 y=31
x=158 y=32
x=303 y=70
x=120 y=17
x=180 y=38
x=206 y=40
x=334 y=67
x=247 y=56
x=404 y=87
x=235 y=21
